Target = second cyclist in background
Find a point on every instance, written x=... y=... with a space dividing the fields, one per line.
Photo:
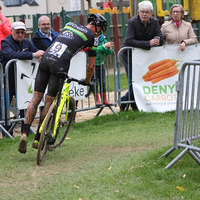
x=73 y=38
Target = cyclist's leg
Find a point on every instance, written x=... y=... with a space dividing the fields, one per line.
x=30 y=114
x=40 y=86
x=32 y=107
x=53 y=85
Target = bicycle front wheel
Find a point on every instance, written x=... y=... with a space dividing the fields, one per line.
x=65 y=122
x=46 y=134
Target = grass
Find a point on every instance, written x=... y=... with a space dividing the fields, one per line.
x=123 y=82
x=110 y=157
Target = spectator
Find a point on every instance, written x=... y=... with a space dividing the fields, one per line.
x=5 y=27
x=108 y=4
x=141 y=31
x=15 y=46
x=104 y=48
x=178 y=31
x=44 y=36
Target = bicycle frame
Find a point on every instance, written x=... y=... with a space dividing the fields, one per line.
x=60 y=103
x=49 y=128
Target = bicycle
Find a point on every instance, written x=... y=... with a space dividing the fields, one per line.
x=49 y=129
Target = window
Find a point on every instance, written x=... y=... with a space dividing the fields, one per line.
x=11 y=3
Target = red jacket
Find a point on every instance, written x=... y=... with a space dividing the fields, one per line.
x=5 y=28
x=107 y=5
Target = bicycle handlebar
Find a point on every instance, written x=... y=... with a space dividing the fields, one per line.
x=91 y=85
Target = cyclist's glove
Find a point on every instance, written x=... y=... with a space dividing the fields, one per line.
x=82 y=82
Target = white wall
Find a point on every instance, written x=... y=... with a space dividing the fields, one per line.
x=56 y=5
x=25 y=9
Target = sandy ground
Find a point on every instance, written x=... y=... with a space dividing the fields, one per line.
x=80 y=116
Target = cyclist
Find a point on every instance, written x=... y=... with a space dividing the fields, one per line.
x=73 y=38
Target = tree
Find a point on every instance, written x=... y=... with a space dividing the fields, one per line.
x=89 y=3
x=121 y=3
x=114 y=2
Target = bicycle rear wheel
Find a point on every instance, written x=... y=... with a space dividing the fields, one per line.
x=45 y=134
x=63 y=123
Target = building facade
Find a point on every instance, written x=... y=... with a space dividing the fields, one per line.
x=28 y=8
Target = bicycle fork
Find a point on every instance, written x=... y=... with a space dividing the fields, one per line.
x=60 y=104
x=63 y=99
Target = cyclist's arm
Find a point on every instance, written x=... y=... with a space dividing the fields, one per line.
x=90 y=69
x=91 y=60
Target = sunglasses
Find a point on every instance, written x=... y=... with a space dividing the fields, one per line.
x=19 y=32
x=46 y=24
x=176 y=11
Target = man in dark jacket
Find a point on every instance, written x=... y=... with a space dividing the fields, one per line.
x=16 y=46
x=44 y=36
x=142 y=31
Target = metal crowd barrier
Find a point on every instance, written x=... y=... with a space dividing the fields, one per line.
x=2 y=95
x=83 y=105
x=129 y=76
x=2 y=103
x=2 y=113
x=186 y=131
x=7 y=99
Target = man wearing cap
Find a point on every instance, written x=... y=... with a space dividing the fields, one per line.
x=16 y=46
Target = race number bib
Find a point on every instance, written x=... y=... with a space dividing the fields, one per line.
x=57 y=49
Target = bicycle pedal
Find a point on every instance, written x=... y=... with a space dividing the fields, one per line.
x=50 y=147
x=65 y=123
x=51 y=141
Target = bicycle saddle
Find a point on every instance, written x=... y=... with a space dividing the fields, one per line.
x=63 y=74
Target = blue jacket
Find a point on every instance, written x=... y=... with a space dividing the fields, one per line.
x=11 y=49
x=42 y=42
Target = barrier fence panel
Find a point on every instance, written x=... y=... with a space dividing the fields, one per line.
x=2 y=108
x=3 y=105
x=89 y=103
x=128 y=70
x=13 y=122
x=186 y=131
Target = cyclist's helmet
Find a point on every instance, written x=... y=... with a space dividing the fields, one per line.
x=98 y=20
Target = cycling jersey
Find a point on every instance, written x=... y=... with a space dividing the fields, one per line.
x=77 y=37
x=73 y=38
